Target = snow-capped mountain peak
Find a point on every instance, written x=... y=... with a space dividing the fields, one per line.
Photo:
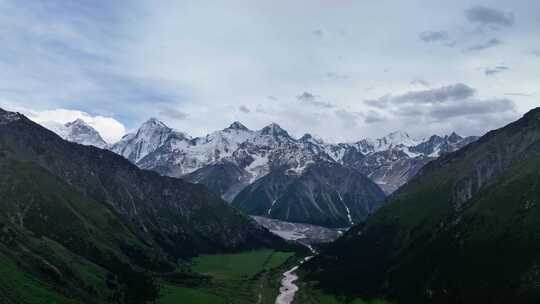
x=78 y=121
x=248 y=155
x=396 y=138
x=150 y=136
x=152 y=125
x=436 y=145
x=399 y=137
x=80 y=132
x=308 y=138
x=454 y=137
x=237 y=126
x=275 y=130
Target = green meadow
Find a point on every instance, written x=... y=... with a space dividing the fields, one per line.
x=247 y=277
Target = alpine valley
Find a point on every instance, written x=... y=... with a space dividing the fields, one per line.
x=79 y=224
x=270 y=173
x=269 y=152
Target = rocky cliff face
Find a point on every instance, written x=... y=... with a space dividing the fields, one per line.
x=226 y=179
x=324 y=194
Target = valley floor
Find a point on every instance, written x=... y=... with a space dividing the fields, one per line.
x=248 y=277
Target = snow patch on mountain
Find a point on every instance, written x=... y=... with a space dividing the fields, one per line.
x=258 y=167
x=305 y=233
x=78 y=131
x=8 y=117
x=149 y=137
x=390 y=160
x=349 y=217
x=81 y=132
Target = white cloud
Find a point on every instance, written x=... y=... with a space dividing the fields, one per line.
x=132 y=60
x=110 y=129
x=445 y=109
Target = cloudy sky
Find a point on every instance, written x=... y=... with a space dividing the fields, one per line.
x=339 y=69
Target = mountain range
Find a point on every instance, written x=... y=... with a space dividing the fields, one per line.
x=85 y=223
x=270 y=173
x=465 y=229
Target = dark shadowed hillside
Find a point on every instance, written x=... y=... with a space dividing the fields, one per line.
x=465 y=230
x=326 y=194
x=78 y=222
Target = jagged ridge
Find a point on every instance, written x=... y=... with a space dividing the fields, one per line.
x=229 y=160
x=464 y=230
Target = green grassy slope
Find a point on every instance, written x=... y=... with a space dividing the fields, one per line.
x=238 y=266
x=247 y=277
x=82 y=224
x=466 y=229
x=59 y=242
x=19 y=287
